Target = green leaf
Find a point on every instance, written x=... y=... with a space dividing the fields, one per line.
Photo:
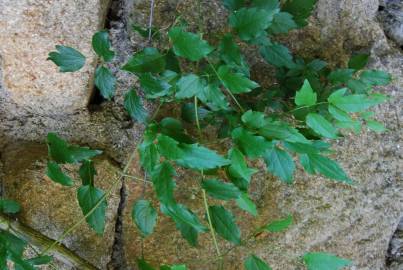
x=302 y=148
x=12 y=243
x=254 y=263
x=306 y=96
x=376 y=77
x=180 y=213
x=358 y=86
x=321 y=126
x=322 y=261
x=102 y=45
x=169 y=147
x=277 y=55
x=61 y=152
x=239 y=168
x=250 y=23
x=253 y=119
x=87 y=172
x=67 y=59
x=224 y=224
x=233 y=4
x=40 y=260
x=88 y=197
x=173 y=128
x=354 y=103
x=188 y=232
x=200 y=158
x=358 y=61
x=152 y=86
x=282 y=23
x=145 y=31
x=134 y=106
x=246 y=204
x=189 y=85
x=268 y=5
x=144 y=216
x=143 y=265
x=341 y=76
x=220 y=190
x=376 y=126
x=251 y=145
x=327 y=167
x=162 y=177
x=189 y=45
x=149 y=156
x=105 y=82
x=212 y=96
x=281 y=131
x=278 y=225
x=55 y=173
x=280 y=163
x=230 y=52
x=148 y=60
x=9 y=206
x=300 y=9
x=173 y=267
x=236 y=82
x=339 y=114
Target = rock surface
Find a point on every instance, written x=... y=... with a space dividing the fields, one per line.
x=29 y=30
x=353 y=222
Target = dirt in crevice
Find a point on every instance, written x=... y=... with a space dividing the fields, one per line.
x=394 y=258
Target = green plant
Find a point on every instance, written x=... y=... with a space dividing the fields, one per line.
x=293 y=118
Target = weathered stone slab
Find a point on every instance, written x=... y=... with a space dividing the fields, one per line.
x=50 y=208
x=355 y=222
x=29 y=30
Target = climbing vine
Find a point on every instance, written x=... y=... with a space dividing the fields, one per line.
x=293 y=120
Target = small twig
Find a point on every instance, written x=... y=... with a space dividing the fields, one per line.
x=150 y=22
x=39 y=240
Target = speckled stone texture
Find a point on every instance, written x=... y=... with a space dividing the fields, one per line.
x=29 y=30
x=355 y=222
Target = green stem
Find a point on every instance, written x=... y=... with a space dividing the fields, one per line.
x=303 y=107
x=197 y=117
x=104 y=197
x=210 y=223
x=228 y=91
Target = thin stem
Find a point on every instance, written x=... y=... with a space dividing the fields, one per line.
x=303 y=107
x=210 y=223
x=197 y=117
x=142 y=180
x=150 y=22
x=104 y=197
x=228 y=91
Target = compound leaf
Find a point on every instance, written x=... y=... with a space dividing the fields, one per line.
x=277 y=55
x=282 y=23
x=9 y=206
x=246 y=204
x=358 y=61
x=87 y=172
x=300 y=9
x=251 y=145
x=376 y=77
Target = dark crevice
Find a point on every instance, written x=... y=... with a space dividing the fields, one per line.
x=117 y=22
x=394 y=258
